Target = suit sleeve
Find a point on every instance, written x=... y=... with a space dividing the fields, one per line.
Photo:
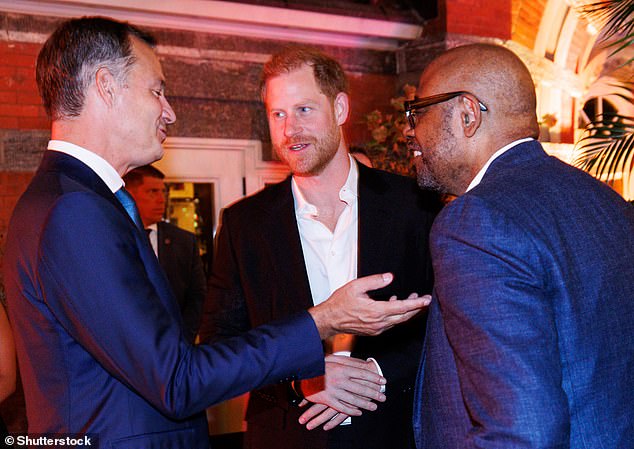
x=94 y=281
x=492 y=290
x=225 y=309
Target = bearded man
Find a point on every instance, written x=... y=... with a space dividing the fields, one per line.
x=284 y=249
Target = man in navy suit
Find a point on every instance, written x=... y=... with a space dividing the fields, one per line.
x=176 y=248
x=530 y=335
x=100 y=346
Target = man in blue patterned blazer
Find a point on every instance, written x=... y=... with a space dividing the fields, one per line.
x=530 y=335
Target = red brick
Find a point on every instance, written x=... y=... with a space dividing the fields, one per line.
x=8 y=97
x=21 y=61
x=8 y=123
x=19 y=110
x=33 y=123
x=27 y=97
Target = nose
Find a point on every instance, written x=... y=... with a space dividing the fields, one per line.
x=169 y=116
x=408 y=131
x=291 y=126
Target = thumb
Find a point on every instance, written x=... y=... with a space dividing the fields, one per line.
x=371 y=282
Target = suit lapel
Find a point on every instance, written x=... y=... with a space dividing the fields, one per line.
x=79 y=172
x=374 y=223
x=281 y=233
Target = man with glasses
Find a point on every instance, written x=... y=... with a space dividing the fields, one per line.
x=329 y=222
x=530 y=338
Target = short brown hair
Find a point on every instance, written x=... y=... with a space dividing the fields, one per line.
x=328 y=73
x=135 y=176
x=72 y=55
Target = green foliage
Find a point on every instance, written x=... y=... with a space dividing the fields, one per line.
x=388 y=147
x=617 y=16
x=607 y=145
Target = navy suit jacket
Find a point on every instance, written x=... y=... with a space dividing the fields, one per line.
x=260 y=275
x=530 y=335
x=99 y=347
x=180 y=259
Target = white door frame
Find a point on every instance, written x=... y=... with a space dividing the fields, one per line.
x=235 y=166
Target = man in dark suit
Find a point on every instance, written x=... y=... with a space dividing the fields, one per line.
x=176 y=249
x=331 y=221
x=100 y=345
x=530 y=336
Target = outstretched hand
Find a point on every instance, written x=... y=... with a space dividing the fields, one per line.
x=350 y=310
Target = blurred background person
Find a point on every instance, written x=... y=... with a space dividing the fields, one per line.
x=176 y=248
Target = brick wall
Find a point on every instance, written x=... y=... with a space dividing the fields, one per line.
x=20 y=106
x=479 y=18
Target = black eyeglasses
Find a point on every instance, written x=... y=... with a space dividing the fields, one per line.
x=419 y=103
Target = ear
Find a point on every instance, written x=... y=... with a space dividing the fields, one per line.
x=106 y=85
x=470 y=115
x=341 y=107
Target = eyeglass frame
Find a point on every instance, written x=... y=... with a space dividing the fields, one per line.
x=419 y=103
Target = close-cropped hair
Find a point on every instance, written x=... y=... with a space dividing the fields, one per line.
x=135 y=176
x=74 y=53
x=328 y=73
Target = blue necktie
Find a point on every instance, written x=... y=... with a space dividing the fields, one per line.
x=130 y=206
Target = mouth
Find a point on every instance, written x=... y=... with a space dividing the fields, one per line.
x=414 y=148
x=162 y=134
x=298 y=146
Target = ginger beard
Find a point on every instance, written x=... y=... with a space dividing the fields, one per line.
x=309 y=155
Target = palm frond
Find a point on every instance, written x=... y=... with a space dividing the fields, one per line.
x=607 y=146
x=616 y=17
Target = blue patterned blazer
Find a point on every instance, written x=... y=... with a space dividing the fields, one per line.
x=530 y=336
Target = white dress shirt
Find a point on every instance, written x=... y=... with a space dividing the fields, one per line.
x=153 y=236
x=96 y=163
x=331 y=257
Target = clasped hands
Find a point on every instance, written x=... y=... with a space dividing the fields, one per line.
x=349 y=386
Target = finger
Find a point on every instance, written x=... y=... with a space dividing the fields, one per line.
x=322 y=419
x=345 y=360
x=372 y=282
x=339 y=368
x=334 y=422
x=350 y=403
x=304 y=403
x=341 y=372
x=405 y=305
x=311 y=412
x=414 y=295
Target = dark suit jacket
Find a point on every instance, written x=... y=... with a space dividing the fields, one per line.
x=99 y=349
x=530 y=338
x=259 y=275
x=179 y=257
